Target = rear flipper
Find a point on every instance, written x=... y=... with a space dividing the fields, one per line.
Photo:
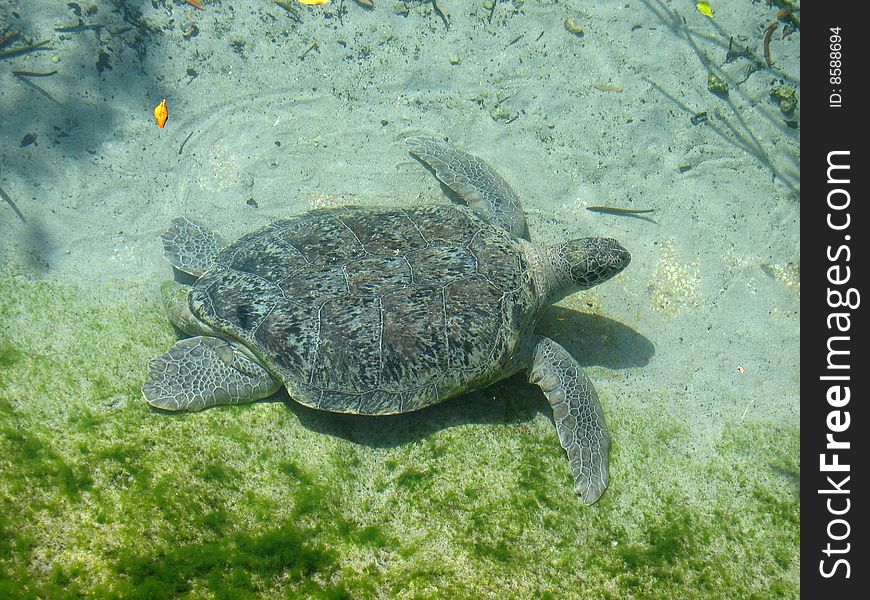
x=577 y=412
x=201 y=371
x=477 y=183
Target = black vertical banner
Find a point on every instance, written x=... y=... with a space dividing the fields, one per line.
x=835 y=353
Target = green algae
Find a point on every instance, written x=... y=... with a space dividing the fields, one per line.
x=228 y=564
x=412 y=478
x=9 y=355
x=101 y=496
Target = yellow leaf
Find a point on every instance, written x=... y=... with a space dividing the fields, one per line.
x=161 y=114
x=314 y=2
x=704 y=9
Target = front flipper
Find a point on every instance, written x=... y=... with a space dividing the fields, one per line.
x=190 y=247
x=201 y=371
x=577 y=412
x=476 y=182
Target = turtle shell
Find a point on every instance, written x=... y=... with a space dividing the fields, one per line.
x=374 y=310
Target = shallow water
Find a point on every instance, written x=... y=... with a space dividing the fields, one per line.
x=693 y=349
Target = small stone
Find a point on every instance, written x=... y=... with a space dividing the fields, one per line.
x=454 y=59
x=786 y=95
x=489 y=5
x=503 y=113
x=190 y=31
x=573 y=26
x=28 y=139
x=717 y=84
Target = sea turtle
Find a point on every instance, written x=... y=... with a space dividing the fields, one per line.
x=385 y=310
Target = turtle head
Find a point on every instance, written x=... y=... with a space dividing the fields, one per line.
x=586 y=262
x=176 y=301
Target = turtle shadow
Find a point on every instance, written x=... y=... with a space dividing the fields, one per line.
x=596 y=341
x=512 y=401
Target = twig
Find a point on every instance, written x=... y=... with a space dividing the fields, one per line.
x=608 y=88
x=80 y=26
x=189 y=135
x=768 y=33
x=23 y=49
x=441 y=14
x=24 y=80
x=33 y=74
x=289 y=8
x=308 y=49
x=9 y=201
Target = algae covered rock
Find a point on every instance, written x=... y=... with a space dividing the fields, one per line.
x=717 y=84
x=786 y=96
